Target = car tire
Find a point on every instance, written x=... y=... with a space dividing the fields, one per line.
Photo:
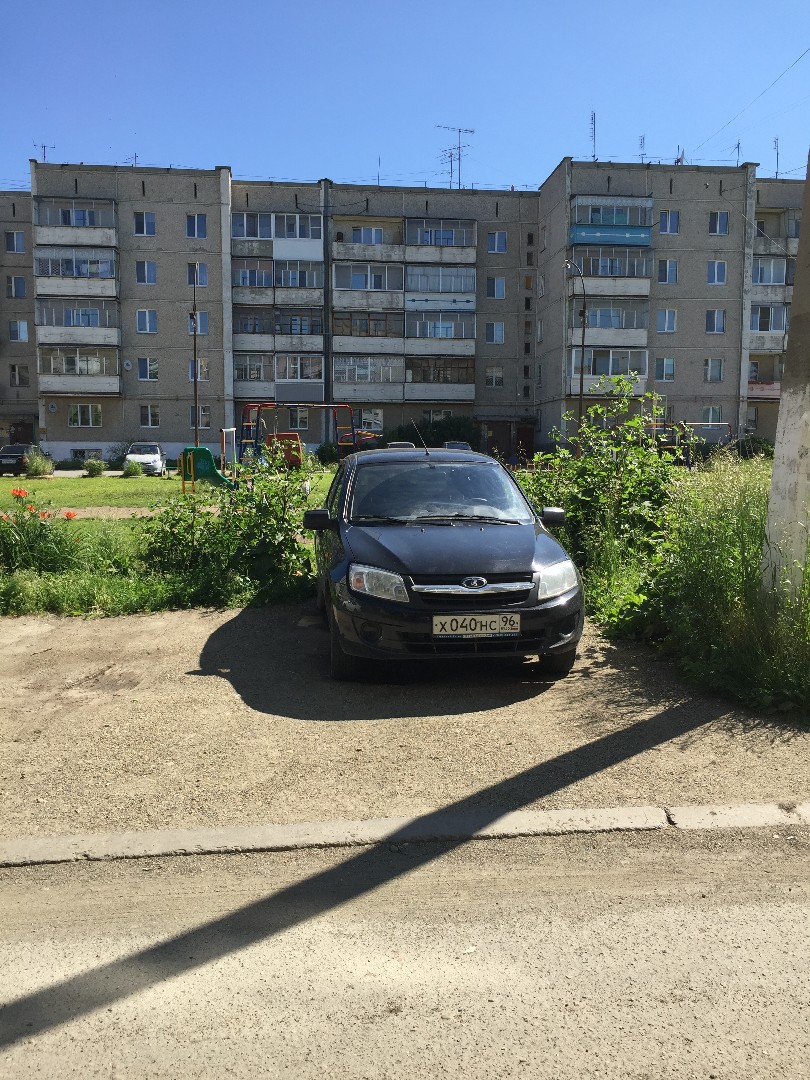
x=342 y=666
x=559 y=664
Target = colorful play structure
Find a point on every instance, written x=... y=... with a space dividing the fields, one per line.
x=259 y=429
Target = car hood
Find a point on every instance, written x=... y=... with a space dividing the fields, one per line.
x=142 y=458
x=450 y=550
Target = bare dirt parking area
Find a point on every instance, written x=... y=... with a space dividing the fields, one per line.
x=197 y=718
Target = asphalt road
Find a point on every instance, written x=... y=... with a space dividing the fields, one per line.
x=616 y=956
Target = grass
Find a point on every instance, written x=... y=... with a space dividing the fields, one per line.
x=80 y=491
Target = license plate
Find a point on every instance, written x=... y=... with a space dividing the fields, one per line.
x=476 y=626
x=8 y=461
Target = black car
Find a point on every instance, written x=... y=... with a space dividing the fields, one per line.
x=14 y=458
x=438 y=554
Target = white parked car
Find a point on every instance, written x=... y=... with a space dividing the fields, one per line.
x=149 y=456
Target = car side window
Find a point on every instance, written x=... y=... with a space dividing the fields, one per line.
x=333 y=498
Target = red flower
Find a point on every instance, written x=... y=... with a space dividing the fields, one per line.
x=70 y=514
x=32 y=508
x=19 y=493
x=44 y=514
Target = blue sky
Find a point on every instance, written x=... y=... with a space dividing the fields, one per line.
x=324 y=88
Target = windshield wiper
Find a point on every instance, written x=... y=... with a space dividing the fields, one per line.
x=473 y=518
x=380 y=519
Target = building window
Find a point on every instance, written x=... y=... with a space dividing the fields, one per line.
x=718 y=223
x=528 y=282
x=712 y=414
x=372 y=324
x=440 y=232
x=435 y=416
x=299 y=418
x=716 y=272
x=752 y=418
x=664 y=369
x=202 y=323
x=146 y=273
x=150 y=416
x=539 y=374
x=769 y=318
x=297 y=226
x=769 y=271
x=196 y=226
x=715 y=321
x=147 y=369
x=669 y=221
x=493 y=376
x=202 y=370
x=255 y=273
x=144 y=223
x=374 y=277
x=84 y=416
x=253 y=367
x=69 y=262
x=15 y=242
x=753 y=371
x=298 y=368
x=146 y=321
x=296 y=274
x=666 y=320
x=668 y=271
x=251 y=226
x=527 y=303
x=198 y=271
x=496 y=287
x=369 y=419
x=18 y=330
x=496 y=242
x=440 y=279
x=365 y=234
x=204 y=416
x=713 y=370
x=527 y=348
x=18 y=375
x=539 y=329
x=530 y=258
x=494 y=333
x=15 y=287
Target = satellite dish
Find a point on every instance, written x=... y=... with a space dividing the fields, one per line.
x=127 y=365
x=52 y=407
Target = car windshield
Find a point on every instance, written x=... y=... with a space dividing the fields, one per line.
x=15 y=448
x=144 y=448
x=441 y=490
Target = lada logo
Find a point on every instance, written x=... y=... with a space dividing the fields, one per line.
x=473 y=582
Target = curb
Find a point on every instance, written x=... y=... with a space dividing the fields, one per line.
x=477 y=825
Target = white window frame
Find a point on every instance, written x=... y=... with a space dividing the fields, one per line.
x=152 y=413
x=720 y=217
x=494 y=333
x=15 y=287
x=496 y=288
x=200 y=270
x=76 y=415
x=203 y=374
x=759 y=264
x=752 y=417
x=149 y=321
x=148 y=223
x=670 y=216
x=670 y=269
x=712 y=414
x=714 y=275
x=667 y=368
x=204 y=416
x=715 y=320
x=709 y=367
x=18 y=330
x=667 y=312
x=15 y=242
x=146 y=264
x=260 y=234
x=496 y=242
x=374 y=231
x=202 y=324
x=150 y=365
x=493 y=376
x=196 y=226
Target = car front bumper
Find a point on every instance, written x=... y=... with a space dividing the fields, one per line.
x=377 y=629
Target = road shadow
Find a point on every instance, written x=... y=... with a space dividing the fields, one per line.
x=355 y=876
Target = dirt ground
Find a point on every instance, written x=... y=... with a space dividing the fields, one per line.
x=199 y=718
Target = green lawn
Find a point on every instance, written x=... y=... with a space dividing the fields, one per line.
x=91 y=491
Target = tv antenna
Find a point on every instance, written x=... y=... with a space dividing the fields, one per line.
x=776 y=148
x=593 y=135
x=133 y=158
x=459 y=131
x=450 y=155
x=737 y=148
x=642 y=140
x=43 y=147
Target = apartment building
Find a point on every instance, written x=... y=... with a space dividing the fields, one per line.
x=406 y=303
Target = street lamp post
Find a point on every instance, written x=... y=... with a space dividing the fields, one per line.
x=193 y=317
x=571 y=267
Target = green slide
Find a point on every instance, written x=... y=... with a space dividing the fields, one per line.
x=197 y=463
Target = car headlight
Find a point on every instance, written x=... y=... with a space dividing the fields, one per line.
x=374 y=582
x=555 y=579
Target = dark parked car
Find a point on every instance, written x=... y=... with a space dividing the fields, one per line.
x=438 y=554
x=14 y=458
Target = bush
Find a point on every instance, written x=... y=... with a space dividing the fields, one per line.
x=37 y=538
x=38 y=464
x=461 y=428
x=94 y=467
x=327 y=453
x=132 y=468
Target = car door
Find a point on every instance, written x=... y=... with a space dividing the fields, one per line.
x=328 y=544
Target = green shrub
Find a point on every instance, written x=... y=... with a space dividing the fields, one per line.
x=38 y=464
x=461 y=428
x=132 y=468
x=68 y=463
x=94 y=467
x=327 y=453
x=37 y=538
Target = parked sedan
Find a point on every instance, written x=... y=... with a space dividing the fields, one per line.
x=149 y=456
x=14 y=458
x=438 y=554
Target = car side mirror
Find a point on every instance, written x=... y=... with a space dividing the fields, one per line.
x=319 y=520
x=553 y=515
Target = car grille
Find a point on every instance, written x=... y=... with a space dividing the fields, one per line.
x=501 y=591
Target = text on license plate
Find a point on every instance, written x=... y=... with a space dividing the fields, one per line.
x=473 y=626
x=8 y=461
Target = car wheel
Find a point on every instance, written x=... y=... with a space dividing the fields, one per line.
x=342 y=667
x=560 y=663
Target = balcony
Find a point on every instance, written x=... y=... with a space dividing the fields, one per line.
x=609 y=286
x=608 y=337
x=777 y=246
x=79 y=287
x=591 y=381
x=631 y=235
x=427 y=253
x=764 y=391
x=440 y=240
x=368 y=252
x=75 y=222
x=78 y=371
x=80 y=384
x=367 y=300
x=73 y=322
x=447 y=346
